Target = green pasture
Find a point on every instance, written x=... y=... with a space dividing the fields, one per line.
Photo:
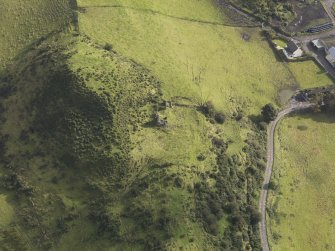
x=195 y=60
x=301 y=210
x=309 y=75
x=193 y=10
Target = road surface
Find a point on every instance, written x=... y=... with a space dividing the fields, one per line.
x=292 y=107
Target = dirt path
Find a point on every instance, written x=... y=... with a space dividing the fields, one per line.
x=292 y=107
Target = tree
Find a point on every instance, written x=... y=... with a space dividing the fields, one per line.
x=219 y=117
x=255 y=216
x=269 y=112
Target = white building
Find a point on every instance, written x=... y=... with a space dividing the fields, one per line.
x=319 y=44
x=331 y=56
x=292 y=50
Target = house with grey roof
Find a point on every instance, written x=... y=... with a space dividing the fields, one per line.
x=292 y=50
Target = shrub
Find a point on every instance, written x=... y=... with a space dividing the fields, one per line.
x=209 y=111
x=269 y=112
x=273 y=185
x=231 y=207
x=201 y=157
x=237 y=219
x=255 y=216
x=108 y=47
x=263 y=126
x=178 y=182
x=215 y=207
x=276 y=236
x=213 y=229
x=261 y=164
x=6 y=90
x=220 y=117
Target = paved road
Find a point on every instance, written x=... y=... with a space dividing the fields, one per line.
x=293 y=106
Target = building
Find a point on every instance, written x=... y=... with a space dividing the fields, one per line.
x=331 y=56
x=292 y=50
x=319 y=44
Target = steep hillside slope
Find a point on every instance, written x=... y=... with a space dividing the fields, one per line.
x=66 y=138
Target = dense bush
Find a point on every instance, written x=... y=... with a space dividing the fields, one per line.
x=219 y=117
x=269 y=112
x=17 y=183
x=108 y=47
x=210 y=112
x=6 y=90
x=233 y=194
x=268 y=9
x=255 y=215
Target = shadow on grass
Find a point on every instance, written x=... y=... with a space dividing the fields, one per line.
x=322 y=117
x=256 y=118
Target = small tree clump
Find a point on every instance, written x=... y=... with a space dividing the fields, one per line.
x=269 y=112
x=255 y=216
x=209 y=111
x=219 y=117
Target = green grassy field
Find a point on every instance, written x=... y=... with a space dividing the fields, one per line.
x=24 y=21
x=191 y=58
x=6 y=212
x=309 y=75
x=280 y=43
x=189 y=9
x=303 y=206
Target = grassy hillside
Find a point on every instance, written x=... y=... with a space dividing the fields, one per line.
x=62 y=132
x=202 y=10
x=134 y=129
x=24 y=21
x=196 y=62
x=302 y=207
x=192 y=59
x=76 y=167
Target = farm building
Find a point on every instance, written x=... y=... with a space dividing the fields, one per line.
x=331 y=56
x=292 y=50
x=319 y=44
